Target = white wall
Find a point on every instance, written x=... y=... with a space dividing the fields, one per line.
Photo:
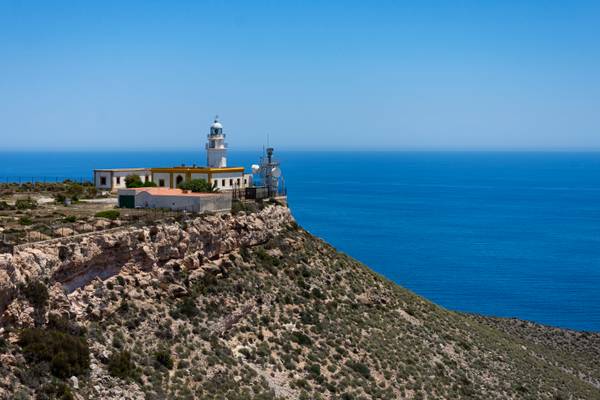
x=118 y=178
x=98 y=175
x=228 y=177
x=156 y=177
x=188 y=203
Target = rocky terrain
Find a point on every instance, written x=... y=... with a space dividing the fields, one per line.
x=251 y=306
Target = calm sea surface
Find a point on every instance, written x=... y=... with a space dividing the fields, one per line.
x=507 y=234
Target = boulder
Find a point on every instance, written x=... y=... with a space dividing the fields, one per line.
x=36 y=236
x=85 y=227
x=100 y=224
x=63 y=232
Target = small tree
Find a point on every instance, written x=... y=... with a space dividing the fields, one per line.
x=133 y=181
x=197 y=186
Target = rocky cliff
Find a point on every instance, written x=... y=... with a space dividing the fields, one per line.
x=252 y=306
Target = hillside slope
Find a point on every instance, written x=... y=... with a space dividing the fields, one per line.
x=254 y=307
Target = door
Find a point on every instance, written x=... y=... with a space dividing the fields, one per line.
x=127 y=201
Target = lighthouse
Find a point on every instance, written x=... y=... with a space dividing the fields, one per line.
x=216 y=148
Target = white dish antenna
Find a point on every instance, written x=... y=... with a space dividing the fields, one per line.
x=255 y=168
x=276 y=172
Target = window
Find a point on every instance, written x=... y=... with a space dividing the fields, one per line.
x=103 y=180
x=161 y=182
x=216 y=183
x=245 y=181
x=223 y=183
x=178 y=180
x=231 y=182
x=118 y=180
x=238 y=181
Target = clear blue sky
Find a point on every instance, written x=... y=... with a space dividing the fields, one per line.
x=311 y=74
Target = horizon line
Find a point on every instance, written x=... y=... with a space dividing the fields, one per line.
x=311 y=149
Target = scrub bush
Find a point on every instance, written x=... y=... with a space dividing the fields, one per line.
x=110 y=214
x=120 y=365
x=197 y=186
x=25 y=204
x=66 y=354
x=134 y=181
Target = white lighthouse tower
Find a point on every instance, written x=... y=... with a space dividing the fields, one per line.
x=216 y=148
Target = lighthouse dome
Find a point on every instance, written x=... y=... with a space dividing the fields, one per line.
x=216 y=125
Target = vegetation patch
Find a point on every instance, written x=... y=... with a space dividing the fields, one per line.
x=36 y=293
x=57 y=390
x=197 y=186
x=121 y=365
x=109 y=214
x=134 y=181
x=26 y=204
x=163 y=358
x=66 y=354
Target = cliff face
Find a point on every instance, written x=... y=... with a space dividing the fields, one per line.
x=251 y=306
x=74 y=262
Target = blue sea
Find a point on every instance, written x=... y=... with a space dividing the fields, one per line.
x=512 y=234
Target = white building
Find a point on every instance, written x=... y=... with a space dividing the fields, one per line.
x=174 y=199
x=217 y=173
x=114 y=179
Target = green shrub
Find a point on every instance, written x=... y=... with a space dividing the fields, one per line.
x=120 y=365
x=59 y=198
x=163 y=357
x=36 y=293
x=5 y=206
x=66 y=354
x=109 y=214
x=25 y=204
x=313 y=369
x=359 y=368
x=197 y=186
x=65 y=325
x=301 y=338
x=70 y=218
x=187 y=308
x=25 y=220
x=58 y=391
x=135 y=181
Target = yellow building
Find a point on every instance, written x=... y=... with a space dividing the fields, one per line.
x=226 y=178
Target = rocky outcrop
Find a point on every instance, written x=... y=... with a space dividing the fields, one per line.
x=253 y=306
x=77 y=260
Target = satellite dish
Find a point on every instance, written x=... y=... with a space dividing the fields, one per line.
x=276 y=172
x=255 y=168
